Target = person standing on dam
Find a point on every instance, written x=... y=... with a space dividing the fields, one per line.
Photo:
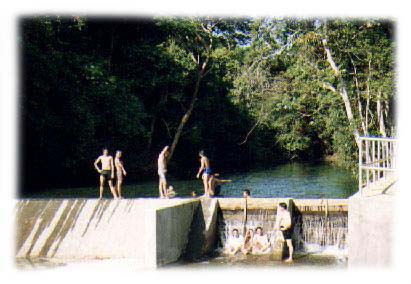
x=106 y=171
x=207 y=172
x=283 y=223
x=120 y=171
x=162 y=171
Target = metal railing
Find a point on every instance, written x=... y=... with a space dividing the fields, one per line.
x=377 y=162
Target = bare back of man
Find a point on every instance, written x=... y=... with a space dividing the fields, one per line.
x=120 y=172
x=213 y=182
x=207 y=172
x=162 y=171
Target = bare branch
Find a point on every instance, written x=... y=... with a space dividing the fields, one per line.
x=167 y=127
x=330 y=59
x=194 y=59
x=249 y=133
x=328 y=86
x=255 y=125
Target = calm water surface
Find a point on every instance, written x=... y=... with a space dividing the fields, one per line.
x=295 y=180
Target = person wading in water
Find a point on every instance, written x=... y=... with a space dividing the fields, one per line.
x=283 y=223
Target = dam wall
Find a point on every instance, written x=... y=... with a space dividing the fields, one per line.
x=370 y=226
x=154 y=232
x=172 y=227
x=150 y=231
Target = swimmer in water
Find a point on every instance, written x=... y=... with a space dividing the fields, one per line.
x=214 y=182
x=260 y=242
x=248 y=242
x=234 y=243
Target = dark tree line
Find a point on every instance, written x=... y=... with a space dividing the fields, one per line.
x=238 y=88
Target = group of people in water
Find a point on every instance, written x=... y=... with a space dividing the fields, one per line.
x=257 y=242
x=111 y=168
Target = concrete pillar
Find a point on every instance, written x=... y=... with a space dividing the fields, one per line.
x=370 y=227
x=203 y=229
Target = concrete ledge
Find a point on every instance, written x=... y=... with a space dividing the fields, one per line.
x=303 y=205
x=370 y=230
x=252 y=203
x=150 y=231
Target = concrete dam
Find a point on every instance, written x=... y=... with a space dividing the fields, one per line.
x=156 y=232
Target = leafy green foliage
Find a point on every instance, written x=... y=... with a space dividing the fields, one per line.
x=125 y=84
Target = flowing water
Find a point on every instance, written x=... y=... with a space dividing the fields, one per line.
x=317 y=239
x=297 y=180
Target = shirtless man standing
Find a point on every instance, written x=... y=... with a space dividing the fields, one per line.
x=106 y=171
x=162 y=171
x=283 y=223
x=120 y=172
x=205 y=166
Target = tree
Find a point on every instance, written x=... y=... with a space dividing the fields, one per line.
x=198 y=39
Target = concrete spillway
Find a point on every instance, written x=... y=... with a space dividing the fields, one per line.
x=153 y=232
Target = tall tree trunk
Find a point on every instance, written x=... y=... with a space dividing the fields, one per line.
x=202 y=66
x=357 y=88
x=343 y=90
x=160 y=105
x=187 y=114
x=381 y=116
x=367 y=107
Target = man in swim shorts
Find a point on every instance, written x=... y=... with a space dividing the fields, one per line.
x=106 y=171
x=206 y=169
x=162 y=171
x=283 y=223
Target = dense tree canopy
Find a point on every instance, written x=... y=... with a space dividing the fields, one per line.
x=251 y=92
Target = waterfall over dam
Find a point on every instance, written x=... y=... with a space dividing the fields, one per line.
x=155 y=232
x=318 y=225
